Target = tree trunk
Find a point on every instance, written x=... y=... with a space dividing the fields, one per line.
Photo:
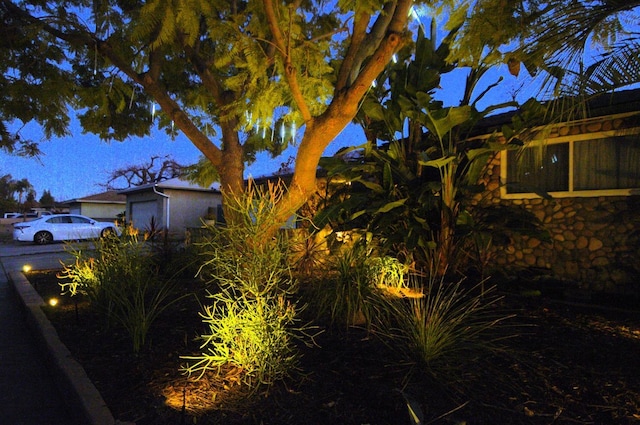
x=318 y=134
x=231 y=169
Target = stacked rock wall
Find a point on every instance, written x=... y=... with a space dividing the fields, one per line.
x=595 y=241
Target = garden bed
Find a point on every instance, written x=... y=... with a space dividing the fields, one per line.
x=567 y=364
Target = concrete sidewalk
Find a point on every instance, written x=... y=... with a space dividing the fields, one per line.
x=40 y=383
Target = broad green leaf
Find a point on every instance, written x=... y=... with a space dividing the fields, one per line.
x=373 y=109
x=391 y=205
x=454 y=117
x=440 y=162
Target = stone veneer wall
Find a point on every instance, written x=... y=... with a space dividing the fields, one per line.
x=595 y=241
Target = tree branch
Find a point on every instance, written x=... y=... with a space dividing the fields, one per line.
x=360 y=24
x=289 y=69
x=394 y=38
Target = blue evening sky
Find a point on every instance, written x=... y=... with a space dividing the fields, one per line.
x=75 y=166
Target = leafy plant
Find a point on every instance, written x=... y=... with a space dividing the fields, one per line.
x=344 y=296
x=121 y=280
x=410 y=192
x=251 y=319
x=385 y=271
x=357 y=277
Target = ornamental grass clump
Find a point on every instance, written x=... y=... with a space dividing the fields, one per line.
x=447 y=327
x=121 y=280
x=343 y=296
x=251 y=321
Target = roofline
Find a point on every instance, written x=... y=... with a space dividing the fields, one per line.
x=598 y=106
x=151 y=186
x=93 y=201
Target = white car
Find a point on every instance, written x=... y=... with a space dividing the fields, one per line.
x=61 y=227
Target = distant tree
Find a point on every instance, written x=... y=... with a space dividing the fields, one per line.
x=6 y=187
x=7 y=201
x=47 y=200
x=159 y=168
x=30 y=200
x=22 y=188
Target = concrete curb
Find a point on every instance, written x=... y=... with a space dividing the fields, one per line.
x=84 y=400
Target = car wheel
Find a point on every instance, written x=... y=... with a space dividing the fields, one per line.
x=107 y=232
x=43 y=238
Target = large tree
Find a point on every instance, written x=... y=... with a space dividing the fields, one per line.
x=252 y=71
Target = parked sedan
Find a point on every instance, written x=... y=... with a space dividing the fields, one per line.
x=61 y=227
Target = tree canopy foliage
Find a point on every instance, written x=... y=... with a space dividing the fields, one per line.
x=15 y=194
x=251 y=71
x=235 y=77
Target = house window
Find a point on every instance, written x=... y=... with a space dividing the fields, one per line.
x=537 y=169
x=612 y=163
x=582 y=166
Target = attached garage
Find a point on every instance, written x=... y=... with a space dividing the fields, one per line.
x=143 y=213
x=174 y=204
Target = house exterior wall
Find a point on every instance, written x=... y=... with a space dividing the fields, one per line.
x=595 y=240
x=187 y=208
x=176 y=211
x=98 y=211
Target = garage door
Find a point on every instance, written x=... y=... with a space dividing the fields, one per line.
x=143 y=212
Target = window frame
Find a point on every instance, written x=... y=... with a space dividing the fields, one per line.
x=571 y=140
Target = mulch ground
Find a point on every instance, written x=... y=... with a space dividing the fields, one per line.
x=566 y=364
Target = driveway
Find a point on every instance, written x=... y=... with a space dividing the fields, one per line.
x=14 y=256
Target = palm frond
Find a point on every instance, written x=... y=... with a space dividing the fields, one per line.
x=617 y=68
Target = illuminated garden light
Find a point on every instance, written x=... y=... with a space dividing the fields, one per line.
x=26 y=268
x=53 y=302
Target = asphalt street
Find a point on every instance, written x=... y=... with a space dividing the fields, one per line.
x=28 y=393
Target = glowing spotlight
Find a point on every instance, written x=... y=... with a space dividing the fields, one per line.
x=53 y=302
x=26 y=268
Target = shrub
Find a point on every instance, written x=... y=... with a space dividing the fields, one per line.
x=250 y=321
x=385 y=272
x=121 y=280
x=342 y=296
x=357 y=278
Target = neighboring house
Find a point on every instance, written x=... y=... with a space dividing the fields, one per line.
x=104 y=206
x=174 y=205
x=591 y=169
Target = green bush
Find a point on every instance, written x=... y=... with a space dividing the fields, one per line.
x=342 y=296
x=385 y=271
x=349 y=293
x=121 y=280
x=251 y=319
